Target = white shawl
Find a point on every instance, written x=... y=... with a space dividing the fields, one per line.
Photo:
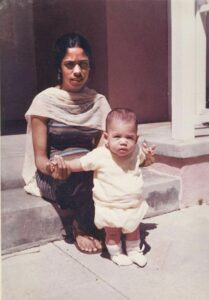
x=85 y=108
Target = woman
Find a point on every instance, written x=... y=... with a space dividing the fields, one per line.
x=67 y=120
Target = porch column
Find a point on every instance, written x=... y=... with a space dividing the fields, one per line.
x=183 y=69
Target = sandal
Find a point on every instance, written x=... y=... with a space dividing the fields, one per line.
x=93 y=251
x=87 y=240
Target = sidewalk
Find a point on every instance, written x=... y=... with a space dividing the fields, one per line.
x=177 y=246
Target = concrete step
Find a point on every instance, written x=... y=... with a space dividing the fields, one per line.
x=12 y=157
x=28 y=221
x=161 y=192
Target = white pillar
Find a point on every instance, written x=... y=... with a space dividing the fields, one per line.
x=183 y=68
x=202 y=114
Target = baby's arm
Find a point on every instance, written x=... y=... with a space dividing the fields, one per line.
x=148 y=152
x=74 y=165
x=59 y=167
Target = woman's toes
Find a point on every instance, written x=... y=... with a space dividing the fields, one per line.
x=87 y=244
x=98 y=244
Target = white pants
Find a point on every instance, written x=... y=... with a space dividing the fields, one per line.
x=126 y=219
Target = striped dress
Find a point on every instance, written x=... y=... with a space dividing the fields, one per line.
x=76 y=191
x=75 y=123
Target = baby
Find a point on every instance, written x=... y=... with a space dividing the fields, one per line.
x=117 y=191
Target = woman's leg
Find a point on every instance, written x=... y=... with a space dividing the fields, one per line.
x=48 y=186
x=114 y=248
x=71 y=196
x=88 y=237
x=133 y=248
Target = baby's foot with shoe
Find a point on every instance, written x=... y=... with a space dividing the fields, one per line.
x=135 y=253
x=138 y=258
x=121 y=260
x=117 y=256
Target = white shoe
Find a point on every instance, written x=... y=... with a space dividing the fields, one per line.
x=121 y=260
x=137 y=257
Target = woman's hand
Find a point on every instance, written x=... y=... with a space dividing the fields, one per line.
x=58 y=168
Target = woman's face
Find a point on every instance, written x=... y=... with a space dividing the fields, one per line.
x=75 y=70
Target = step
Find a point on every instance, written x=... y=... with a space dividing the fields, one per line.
x=28 y=221
x=161 y=192
x=12 y=157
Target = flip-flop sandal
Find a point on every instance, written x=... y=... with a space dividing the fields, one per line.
x=84 y=251
x=76 y=231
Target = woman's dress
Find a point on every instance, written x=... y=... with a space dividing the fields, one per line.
x=75 y=124
x=76 y=191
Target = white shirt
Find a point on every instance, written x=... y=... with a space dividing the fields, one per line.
x=117 y=181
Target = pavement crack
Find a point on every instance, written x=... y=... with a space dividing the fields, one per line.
x=92 y=272
x=21 y=253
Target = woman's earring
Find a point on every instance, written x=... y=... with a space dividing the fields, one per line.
x=59 y=75
x=107 y=145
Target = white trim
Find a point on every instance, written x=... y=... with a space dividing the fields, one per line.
x=183 y=69
x=201 y=112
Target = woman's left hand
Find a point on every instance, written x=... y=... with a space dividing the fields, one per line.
x=60 y=168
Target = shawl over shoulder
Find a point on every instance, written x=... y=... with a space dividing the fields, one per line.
x=86 y=108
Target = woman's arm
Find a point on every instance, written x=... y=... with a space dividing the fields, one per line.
x=39 y=135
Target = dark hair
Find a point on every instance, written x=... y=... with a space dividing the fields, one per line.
x=123 y=114
x=70 y=40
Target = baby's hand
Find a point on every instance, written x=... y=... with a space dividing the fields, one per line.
x=61 y=168
x=51 y=166
x=149 y=152
x=58 y=168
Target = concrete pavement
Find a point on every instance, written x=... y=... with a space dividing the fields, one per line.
x=177 y=246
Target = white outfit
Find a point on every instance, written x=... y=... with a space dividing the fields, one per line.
x=117 y=190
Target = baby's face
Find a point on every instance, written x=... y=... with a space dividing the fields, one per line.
x=121 y=138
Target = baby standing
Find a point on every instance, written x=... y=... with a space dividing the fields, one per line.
x=118 y=182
